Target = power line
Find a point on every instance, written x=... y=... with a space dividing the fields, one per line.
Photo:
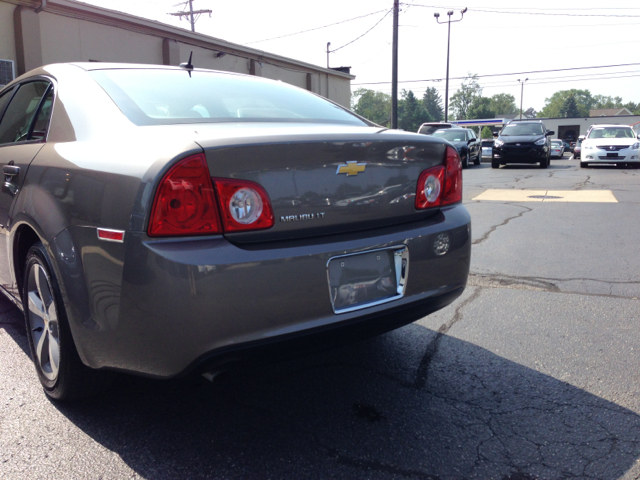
x=511 y=12
x=358 y=38
x=505 y=74
x=316 y=28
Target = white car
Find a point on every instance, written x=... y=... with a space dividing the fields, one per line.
x=617 y=144
x=557 y=148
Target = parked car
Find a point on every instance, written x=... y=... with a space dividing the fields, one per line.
x=611 y=144
x=567 y=146
x=465 y=140
x=487 y=148
x=557 y=149
x=578 y=147
x=161 y=220
x=573 y=145
x=430 y=127
x=522 y=142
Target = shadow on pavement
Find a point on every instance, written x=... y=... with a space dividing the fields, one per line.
x=361 y=412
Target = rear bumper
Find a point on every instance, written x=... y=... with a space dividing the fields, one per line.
x=184 y=303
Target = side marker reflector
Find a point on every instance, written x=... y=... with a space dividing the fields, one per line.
x=111 y=235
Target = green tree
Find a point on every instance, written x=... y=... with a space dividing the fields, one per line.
x=633 y=107
x=601 y=101
x=486 y=133
x=411 y=112
x=462 y=100
x=503 y=104
x=481 y=108
x=553 y=105
x=432 y=102
x=530 y=113
x=375 y=106
x=569 y=108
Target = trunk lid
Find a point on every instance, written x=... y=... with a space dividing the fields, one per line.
x=324 y=180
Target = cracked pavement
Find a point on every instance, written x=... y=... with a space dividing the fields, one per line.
x=531 y=374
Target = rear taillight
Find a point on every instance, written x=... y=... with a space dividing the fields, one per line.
x=452 y=191
x=185 y=203
x=430 y=188
x=440 y=186
x=243 y=205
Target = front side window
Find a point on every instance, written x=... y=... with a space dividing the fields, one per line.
x=612 y=132
x=522 y=130
x=17 y=120
x=164 y=97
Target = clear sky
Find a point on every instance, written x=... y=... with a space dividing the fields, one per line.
x=494 y=37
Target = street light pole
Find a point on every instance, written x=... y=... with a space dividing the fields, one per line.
x=521 y=94
x=449 y=21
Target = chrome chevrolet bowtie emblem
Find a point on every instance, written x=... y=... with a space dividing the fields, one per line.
x=351 y=168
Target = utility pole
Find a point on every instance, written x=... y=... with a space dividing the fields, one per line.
x=521 y=94
x=394 y=67
x=190 y=13
x=328 y=43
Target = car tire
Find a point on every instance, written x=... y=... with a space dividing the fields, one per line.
x=544 y=163
x=584 y=164
x=465 y=161
x=478 y=160
x=60 y=370
x=495 y=163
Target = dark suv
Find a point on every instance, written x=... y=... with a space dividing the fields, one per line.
x=522 y=142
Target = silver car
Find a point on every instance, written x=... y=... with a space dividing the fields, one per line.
x=557 y=148
x=164 y=220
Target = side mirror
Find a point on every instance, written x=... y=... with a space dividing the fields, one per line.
x=495 y=134
x=550 y=132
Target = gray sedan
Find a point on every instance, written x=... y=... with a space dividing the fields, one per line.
x=163 y=220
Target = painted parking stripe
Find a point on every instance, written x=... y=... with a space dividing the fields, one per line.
x=591 y=196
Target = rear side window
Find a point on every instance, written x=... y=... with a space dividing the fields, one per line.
x=17 y=120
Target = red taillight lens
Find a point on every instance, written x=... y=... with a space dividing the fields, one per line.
x=244 y=205
x=452 y=191
x=440 y=186
x=430 y=186
x=185 y=203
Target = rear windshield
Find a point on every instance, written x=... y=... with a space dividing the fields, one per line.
x=557 y=143
x=522 y=129
x=451 y=135
x=161 y=97
x=612 y=132
x=487 y=143
x=429 y=129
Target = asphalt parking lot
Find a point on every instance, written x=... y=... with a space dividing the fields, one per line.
x=531 y=374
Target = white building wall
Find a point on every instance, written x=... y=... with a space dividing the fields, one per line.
x=7 y=35
x=70 y=31
x=584 y=123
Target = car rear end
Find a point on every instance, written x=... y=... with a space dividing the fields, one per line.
x=487 y=148
x=278 y=232
x=557 y=149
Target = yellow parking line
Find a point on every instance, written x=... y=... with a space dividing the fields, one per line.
x=592 y=196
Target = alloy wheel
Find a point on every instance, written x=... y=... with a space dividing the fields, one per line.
x=43 y=322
